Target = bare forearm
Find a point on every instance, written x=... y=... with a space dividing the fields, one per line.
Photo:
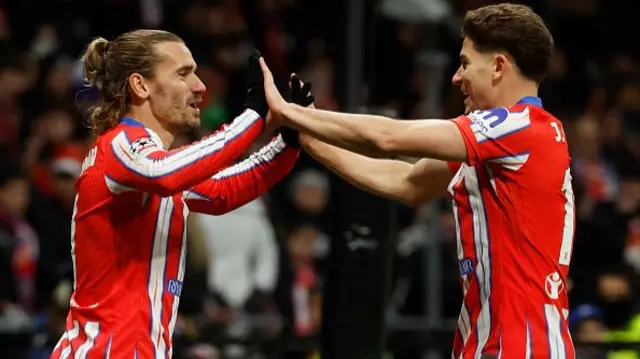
x=378 y=136
x=382 y=177
x=363 y=134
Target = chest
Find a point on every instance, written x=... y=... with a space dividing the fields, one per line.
x=471 y=182
x=163 y=216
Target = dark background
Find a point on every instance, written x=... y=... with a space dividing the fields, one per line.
x=406 y=57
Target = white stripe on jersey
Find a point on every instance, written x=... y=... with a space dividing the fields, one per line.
x=236 y=128
x=116 y=187
x=137 y=161
x=265 y=154
x=71 y=335
x=157 y=272
x=557 y=349
x=528 y=352
x=181 y=268
x=489 y=126
x=464 y=321
x=62 y=338
x=458 y=235
x=483 y=267
x=513 y=162
x=91 y=330
x=73 y=239
x=464 y=324
x=186 y=195
x=107 y=353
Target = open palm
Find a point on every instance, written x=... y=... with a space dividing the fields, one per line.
x=274 y=99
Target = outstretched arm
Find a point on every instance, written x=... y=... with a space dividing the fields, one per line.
x=136 y=160
x=366 y=134
x=243 y=182
x=412 y=184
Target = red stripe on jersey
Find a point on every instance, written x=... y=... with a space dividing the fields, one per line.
x=174 y=273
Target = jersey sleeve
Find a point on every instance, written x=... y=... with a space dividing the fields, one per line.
x=497 y=136
x=136 y=160
x=242 y=183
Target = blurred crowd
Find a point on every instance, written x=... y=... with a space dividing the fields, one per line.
x=254 y=281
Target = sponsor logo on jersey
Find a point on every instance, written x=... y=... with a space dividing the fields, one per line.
x=174 y=287
x=553 y=285
x=466 y=266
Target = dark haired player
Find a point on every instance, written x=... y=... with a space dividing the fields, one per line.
x=505 y=164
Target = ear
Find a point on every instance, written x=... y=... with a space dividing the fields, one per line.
x=139 y=86
x=500 y=64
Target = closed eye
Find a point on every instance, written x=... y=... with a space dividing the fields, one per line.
x=186 y=70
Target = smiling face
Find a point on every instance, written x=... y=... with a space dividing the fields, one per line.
x=476 y=77
x=175 y=90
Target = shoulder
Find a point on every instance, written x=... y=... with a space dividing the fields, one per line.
x=133 y=138
x=498 y=122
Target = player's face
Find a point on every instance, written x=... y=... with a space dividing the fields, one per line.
x=176 y=89
x=475 y=77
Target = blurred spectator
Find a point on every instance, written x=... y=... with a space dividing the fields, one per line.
x=20 y=250
x=13 y=83
x=621 y=313
x=299 y=297
x=50 y=214
x=587 y=327
x=309 y=191
x=590 y=169
x=19 y=255
x=243 y=255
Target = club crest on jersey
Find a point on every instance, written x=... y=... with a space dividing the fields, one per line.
x=141 y=144
x=174 y=287
x=466 y=266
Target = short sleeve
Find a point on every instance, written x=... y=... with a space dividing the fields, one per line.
x=498 y=136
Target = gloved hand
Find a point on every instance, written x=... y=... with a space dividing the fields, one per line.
x=300 y=94
x=256 y=99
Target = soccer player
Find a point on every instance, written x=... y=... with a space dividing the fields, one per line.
x=134 y=196
x=505 y=164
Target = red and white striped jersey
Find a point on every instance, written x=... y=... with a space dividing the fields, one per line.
x=129 y=233
x=514 y=210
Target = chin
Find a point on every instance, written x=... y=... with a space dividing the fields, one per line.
x=193 y=122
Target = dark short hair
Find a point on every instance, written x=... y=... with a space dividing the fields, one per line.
x=515 y=29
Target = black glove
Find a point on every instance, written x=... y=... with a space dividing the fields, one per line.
x=300 y=95
x=256 y=99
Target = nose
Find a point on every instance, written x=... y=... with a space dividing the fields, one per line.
x=456 y=80
x=199 y=86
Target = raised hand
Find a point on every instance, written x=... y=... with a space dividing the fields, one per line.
x=300 y=94
x=256 y=99
x=274 y=100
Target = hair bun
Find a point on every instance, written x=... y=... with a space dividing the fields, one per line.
x=93 y=60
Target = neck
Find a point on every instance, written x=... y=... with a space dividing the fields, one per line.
x=146 y=117
x=515 y=92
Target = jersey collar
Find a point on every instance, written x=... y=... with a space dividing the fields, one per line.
x=131 y=122
x=531 y=100
x=128 y=121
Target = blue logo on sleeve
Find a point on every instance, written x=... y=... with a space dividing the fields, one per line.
x=466 y=266
x=174 y=287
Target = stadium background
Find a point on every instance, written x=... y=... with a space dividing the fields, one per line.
x=256 y=278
